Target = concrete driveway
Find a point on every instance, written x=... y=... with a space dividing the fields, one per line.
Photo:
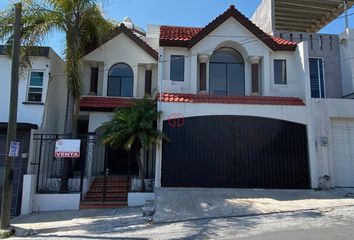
x=176 y=204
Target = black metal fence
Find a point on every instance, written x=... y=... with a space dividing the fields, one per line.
x=51 y=170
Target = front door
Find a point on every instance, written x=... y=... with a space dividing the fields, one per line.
x=117 y=162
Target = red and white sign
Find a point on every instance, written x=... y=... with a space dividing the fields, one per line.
x=67 y=148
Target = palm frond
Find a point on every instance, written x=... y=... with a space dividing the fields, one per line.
x=134 y=126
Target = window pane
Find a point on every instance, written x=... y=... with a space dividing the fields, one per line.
x=127 y=87
x=36 y=79
x=279 y=71
x=322 y=84
x=121 y=70
x=177 y=68
x=34 y=97
x=218 y=78
x=113 y=86
x=316 y=78
x=227 y=74
x=35 y=90
x=226 y=55
x=34 y=94
x=235 y=80
x=120 y=81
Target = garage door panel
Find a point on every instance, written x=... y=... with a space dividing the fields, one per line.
x=233 y=151
x=342 y=169
x=343 y=152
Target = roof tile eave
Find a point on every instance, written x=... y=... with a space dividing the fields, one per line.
x=94 y=103
x=251 y=100
x=189 y=36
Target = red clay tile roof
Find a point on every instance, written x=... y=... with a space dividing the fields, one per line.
x=189 y=36
x=104 y=104
x=282 y=41
x=176 y=33
x=109 y=104
x=254 y=100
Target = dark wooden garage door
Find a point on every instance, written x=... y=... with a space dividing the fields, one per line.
x=235 y=152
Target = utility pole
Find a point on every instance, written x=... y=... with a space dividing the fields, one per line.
x=11 y=127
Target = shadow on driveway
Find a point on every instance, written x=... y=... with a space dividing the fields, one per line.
x=177 y=204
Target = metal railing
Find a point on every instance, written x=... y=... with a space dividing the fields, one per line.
x=50 y=170
x=95 y=160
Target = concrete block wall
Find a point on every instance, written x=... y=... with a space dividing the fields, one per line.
x=325 y=46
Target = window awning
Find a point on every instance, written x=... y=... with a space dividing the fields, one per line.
x=307 y=15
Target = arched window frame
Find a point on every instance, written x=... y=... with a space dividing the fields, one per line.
x=239 y=61
x=120 y=94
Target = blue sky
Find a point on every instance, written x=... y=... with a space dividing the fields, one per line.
x=172 y=12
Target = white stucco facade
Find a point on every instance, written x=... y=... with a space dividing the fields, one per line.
x=248 y=45
x=48 y=114
x=120 y=49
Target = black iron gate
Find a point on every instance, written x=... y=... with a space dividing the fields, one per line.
x=50 y=170
x=235 y=152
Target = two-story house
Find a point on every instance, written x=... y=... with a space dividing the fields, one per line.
x=40 y=107
x=239 y=91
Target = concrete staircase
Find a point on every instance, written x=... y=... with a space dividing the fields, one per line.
x=116 y=193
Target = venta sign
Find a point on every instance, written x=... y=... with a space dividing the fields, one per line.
x=67 y=148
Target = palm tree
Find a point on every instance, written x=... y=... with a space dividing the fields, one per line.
x=135 y=128
x=84 y=26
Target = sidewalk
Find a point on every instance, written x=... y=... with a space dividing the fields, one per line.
x=177 y=207
x=177 y=204
x=93 y=221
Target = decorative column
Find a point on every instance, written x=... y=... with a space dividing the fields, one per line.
x=203 y=61
x=255 y=90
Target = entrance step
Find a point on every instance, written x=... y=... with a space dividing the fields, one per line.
x=116 y=194
x=102 y=205
x=109 y=189
x=109 y=196
x=111 y=184
x=112 y=178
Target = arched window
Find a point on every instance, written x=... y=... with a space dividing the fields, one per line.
x=120 y=81
x=227 y=72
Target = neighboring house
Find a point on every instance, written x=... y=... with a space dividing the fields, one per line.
x=243 y=107
x=39 y=107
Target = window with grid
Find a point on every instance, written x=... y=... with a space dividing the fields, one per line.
x=280 y=75
x=317 y=78
x=35 y=87
x=177 y=68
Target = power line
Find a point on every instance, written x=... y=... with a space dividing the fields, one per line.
x=242 y=43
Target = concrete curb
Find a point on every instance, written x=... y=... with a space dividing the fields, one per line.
x=249 y=215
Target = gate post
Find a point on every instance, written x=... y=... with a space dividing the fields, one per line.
x=39 y=161
x=88 y=162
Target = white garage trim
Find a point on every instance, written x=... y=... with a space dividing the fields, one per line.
x=295 y=114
